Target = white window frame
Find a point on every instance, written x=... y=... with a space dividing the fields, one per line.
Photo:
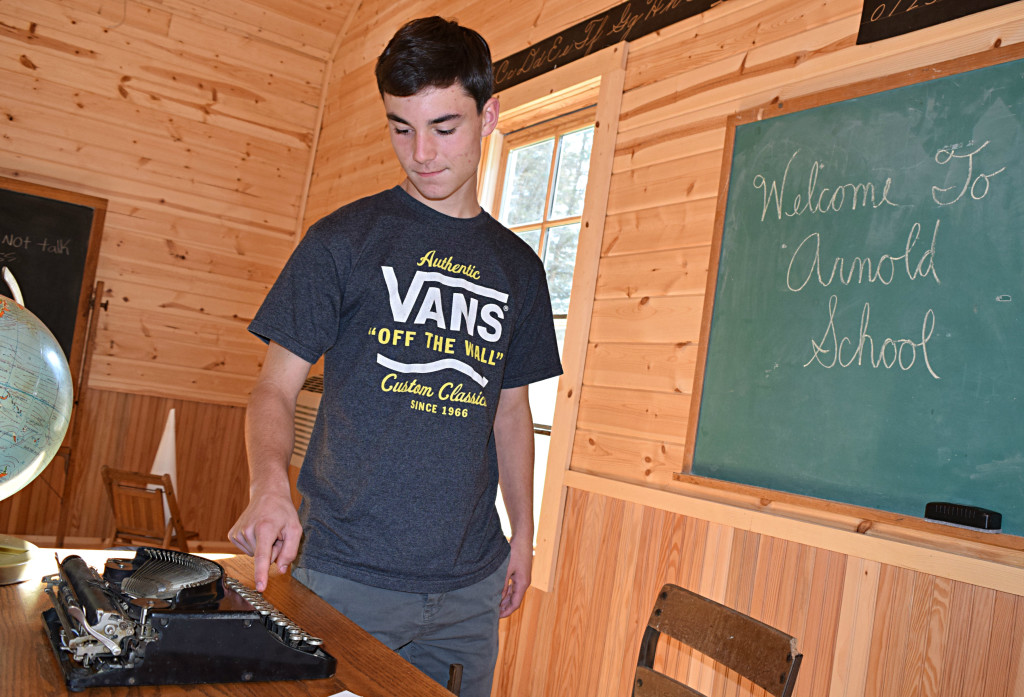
x=603 y=74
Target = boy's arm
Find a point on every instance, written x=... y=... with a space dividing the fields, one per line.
x=513 y=437
x=268 y=529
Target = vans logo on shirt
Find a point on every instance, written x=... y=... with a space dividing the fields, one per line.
x=453 y=304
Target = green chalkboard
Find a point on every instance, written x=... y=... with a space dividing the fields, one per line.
x=866 y=340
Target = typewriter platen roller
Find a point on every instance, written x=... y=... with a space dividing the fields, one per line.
x=166 y=617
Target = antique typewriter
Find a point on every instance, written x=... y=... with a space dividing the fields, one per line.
x=166 y=617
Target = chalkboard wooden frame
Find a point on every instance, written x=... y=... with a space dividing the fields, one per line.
x=90 y=260
x=973 y=542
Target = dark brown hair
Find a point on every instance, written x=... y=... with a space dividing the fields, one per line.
x=436 y=52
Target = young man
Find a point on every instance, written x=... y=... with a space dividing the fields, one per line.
x=432 y=319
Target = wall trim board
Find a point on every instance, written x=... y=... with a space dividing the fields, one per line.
x=608 y=66
x=834 y=533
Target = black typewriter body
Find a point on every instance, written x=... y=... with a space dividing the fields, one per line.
x=165 y=617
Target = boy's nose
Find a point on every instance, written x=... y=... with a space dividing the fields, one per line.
x=424 y=150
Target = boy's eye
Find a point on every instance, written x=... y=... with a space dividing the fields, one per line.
x=447 y=132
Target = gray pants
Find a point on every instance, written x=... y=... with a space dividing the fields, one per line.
x=430 y=630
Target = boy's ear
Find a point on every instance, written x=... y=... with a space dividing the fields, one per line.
x=489 y=117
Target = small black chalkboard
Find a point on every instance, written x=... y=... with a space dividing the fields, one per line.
x=49 y=240
x=882 y=19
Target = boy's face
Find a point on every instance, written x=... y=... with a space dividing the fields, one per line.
x=436 y=135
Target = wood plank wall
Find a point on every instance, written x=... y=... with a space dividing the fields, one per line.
x=197 y=122
x=866 y=628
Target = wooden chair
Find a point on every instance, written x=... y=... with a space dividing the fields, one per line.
x=137 y=501
x=762 y=654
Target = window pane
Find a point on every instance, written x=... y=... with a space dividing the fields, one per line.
x=544 y=393
x=532 y=238
x=559 y=261
x=571 y=174
x=542 y=401
x=526 y=183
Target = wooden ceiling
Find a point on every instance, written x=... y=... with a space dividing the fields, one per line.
x=307 y=26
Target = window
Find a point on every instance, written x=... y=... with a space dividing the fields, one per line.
x=598 y=79
x=541 y=189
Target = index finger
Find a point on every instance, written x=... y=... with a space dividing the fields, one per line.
x=263 y=548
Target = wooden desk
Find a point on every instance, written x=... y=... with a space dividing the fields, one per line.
x=365 y=666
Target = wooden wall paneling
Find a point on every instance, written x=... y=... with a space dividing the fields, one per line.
x=616 y=659
x=215 y=481
x=815 y=612
x=725 y=89
x=626 y=458
x=247 y=249
x=854 y=629
x=355 y=158
x=951 y=665
x=1011 y=644
x=647 y=319
x=197 y=124
x=885 y=655
x=917 y=634
x=616 y=544
x=658 y=367
x=169 y=381
x=663 y=272
x=122 y=61
x=577 y=604
x=237 y=273
x=686 y=224
x=304 y=27
x=124 y=431
x=659 y=143
x=664 y=183
x=111 y=118
x=739 y=26
x=977 y=678
x=651 y=414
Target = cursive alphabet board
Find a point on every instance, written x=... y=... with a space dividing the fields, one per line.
x=866 y=340
x=626 y=21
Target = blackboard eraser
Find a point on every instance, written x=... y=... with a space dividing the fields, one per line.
x=967 y=516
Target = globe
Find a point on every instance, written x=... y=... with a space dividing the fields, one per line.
x=35 y=410
x=35 y=397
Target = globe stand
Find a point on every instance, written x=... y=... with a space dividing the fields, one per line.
x=16 y=557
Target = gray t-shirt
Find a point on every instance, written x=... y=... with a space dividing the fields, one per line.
x=422 y=320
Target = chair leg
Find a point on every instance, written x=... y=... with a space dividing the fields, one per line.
x=455 y=678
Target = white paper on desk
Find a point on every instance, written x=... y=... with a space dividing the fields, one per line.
x=346 y=693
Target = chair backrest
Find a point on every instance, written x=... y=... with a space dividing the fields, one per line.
x=137 y=501
x=764 y=655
